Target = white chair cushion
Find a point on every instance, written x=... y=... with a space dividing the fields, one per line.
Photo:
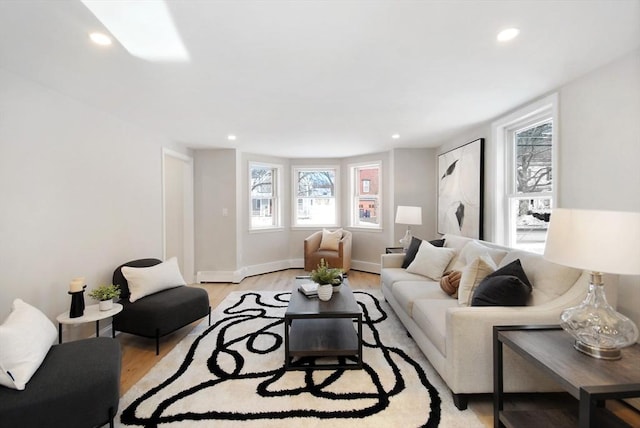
x=331 y=240
x=431 y=261
x=25 y=339
x=149 y=280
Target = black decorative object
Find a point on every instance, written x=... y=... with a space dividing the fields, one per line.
x=77 y=303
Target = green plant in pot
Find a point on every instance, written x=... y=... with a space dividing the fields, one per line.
x=326 y=277
x=105 y=295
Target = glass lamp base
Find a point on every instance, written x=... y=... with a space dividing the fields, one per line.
x=599 y=330
x=406 y=240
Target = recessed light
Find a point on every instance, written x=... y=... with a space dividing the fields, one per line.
x=508 y=34
x=231 y=137
x=100 y=39
x=395 y=136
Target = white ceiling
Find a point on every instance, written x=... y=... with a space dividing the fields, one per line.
x=321 y=78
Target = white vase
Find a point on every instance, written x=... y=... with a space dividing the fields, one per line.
x=105 y=305
x=325 y=291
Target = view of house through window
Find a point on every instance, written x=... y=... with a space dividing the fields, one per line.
x=264 y=196
x=365 y=185
x=315 y=196
x=530 y=199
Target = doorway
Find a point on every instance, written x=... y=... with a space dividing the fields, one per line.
x=178 y=211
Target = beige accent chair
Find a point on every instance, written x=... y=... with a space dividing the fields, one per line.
x=335 y=259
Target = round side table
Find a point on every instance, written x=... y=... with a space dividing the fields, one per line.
x=91 y=313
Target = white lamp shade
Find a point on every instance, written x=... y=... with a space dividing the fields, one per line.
x=409 y=215
x=599 y=241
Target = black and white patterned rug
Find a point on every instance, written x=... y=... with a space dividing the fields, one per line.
x=232 y=374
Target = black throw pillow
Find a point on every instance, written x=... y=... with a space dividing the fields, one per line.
x=503 y=290
x=514 y=268
x=414 y=246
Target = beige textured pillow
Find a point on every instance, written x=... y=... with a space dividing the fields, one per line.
x=431 y=261
x=330 y=240
x=472 y=275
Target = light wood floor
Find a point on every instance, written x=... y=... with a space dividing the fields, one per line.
x=138 y=354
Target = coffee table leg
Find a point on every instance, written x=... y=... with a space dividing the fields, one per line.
x=287 y=323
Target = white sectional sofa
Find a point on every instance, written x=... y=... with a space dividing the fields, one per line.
x=457 y=339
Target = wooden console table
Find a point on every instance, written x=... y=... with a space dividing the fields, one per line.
x=591 y=381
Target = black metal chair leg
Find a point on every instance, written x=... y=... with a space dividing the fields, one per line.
x=157 y=342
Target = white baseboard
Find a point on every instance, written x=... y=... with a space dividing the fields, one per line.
x=237 y=276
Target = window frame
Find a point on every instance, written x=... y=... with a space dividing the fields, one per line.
x=356 y=192
x=276 y=191
x=504 y=130
x=295 y=169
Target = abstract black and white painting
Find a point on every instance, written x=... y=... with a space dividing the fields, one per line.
x=460 y=190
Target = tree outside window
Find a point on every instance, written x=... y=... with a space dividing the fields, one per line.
x=315 y=194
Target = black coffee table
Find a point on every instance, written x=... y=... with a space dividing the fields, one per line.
x=317 y=329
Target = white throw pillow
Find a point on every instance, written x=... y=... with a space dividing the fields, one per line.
x=330 y=240
x=474 y=249
x=431 y=261
x=472 y=275
x=149 y=280
x=25 y=339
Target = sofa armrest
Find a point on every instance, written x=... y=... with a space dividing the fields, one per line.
x=391 y=260
x=469 y=340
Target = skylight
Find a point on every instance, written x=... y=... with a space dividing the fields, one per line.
x=144 y=28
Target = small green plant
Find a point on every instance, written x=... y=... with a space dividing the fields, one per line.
x=324 y=274
x=105 y=292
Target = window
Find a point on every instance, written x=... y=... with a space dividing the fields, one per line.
x=265 y=203
x=365 y=195
x=527 y=143
x=315 y=196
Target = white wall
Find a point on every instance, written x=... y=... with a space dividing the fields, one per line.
x=599 y=142
x=215 y=191
x=80 y=194
x=600 y=150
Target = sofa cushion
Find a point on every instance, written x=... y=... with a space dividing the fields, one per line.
x=472 y=275
x=431 y=316
x=331 y=240
x=549 y=280
x=408 y=292
x=503 y=290
x=414 y=246
x=390 y=276
x=431 y=261
x=149 y=280
x=25 y=339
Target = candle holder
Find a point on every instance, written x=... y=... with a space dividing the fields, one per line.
x=77 y=303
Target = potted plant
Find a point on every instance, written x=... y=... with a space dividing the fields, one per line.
x=326 y=278
x=105 y=295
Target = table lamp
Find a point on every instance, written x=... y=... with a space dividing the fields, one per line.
x=408 y=215
x=596 y=241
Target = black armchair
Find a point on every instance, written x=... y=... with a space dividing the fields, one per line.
x=160 y=313
x=76 y=386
